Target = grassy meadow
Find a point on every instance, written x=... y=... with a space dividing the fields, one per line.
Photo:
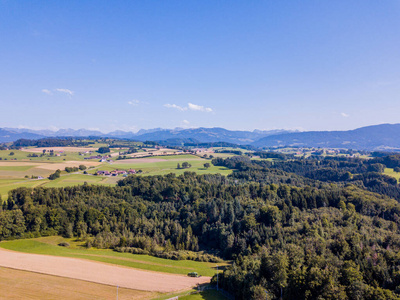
x=391 y=172
x=161 y=165
x=18 y=173
x=205 y=295
x=49 y=246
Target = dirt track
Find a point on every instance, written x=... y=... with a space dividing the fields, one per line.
x=98 y=272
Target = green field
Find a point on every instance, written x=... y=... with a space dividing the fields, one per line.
x=23 y=156
x=7 y=185
x=390 y=172
x=13 y=176
x=169 y=165
x=205 y=295
x=48 y=246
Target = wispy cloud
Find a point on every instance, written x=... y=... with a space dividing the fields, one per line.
x=134 y=102
x=46 y=91
x=176 y=107
x=66 y=91
x=190 y=106
x=344 y=115
x=186 y=122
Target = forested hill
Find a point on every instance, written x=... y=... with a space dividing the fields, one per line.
x=285 y=233
x=383 y=136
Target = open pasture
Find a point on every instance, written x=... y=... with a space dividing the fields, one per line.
x=48 y=246
x=7 y=185
x=13 y=173
x=77 y=179
x=391 y=172
x=65 y=180
x=16 y=169
x=26 y=155
x=103 y=273
x=206 y=295
x=166 y=164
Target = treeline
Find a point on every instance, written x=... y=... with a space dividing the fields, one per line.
x=51 y=142
x=276 y=155
x=231 y=151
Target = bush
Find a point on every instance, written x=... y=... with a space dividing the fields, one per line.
x=71 y=169
x=132 y=250
x=55 y=175
x=103 y=150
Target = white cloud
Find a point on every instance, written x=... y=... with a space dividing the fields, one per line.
x=176 y=107
x=186 y=122
x=134 y=102
x=190 y=106
x=344 y=115
x=46 y=91
x=66 y=91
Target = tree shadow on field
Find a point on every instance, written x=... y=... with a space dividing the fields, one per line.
x=212 y=295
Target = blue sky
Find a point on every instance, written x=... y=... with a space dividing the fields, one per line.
x=310 y=65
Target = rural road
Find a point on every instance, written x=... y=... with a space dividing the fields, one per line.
x=98 y=272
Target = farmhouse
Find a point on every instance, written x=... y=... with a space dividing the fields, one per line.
x=118 y=172
x=106 y=173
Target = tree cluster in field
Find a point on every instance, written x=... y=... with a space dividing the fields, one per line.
x=236 y=152
x=103 y=150
x=287 y=234
x=55 y=175
x=75 y=169
x=185 y=165
x=277 y=155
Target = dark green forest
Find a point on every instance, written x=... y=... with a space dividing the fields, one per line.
x=317 y=228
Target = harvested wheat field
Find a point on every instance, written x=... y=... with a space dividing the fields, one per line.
x=98 y=272
x=17 y=284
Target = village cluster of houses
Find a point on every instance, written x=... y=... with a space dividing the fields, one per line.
x=116 y=172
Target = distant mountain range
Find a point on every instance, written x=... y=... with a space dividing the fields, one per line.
x=158 y=134
x=376 y=137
